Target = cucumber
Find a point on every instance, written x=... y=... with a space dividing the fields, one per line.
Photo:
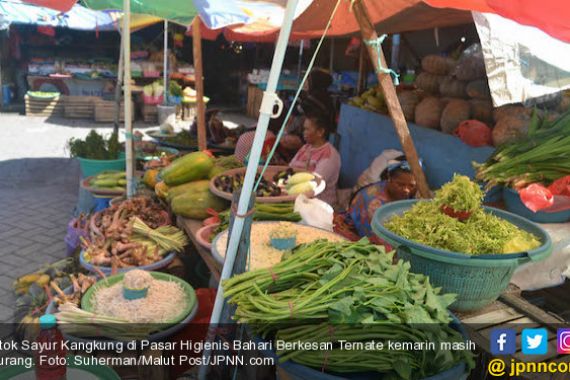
x=104 y=183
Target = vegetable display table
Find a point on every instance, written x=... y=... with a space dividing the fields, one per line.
x=191 y=227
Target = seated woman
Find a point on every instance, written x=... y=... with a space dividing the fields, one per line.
x=318 y=155
x=245 y=142
x=396 y=183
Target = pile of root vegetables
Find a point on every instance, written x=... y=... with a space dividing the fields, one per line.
x=132 y=233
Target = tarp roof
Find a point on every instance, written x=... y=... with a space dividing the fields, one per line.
x=392 y=16
x=547 y=15
x=78 y=17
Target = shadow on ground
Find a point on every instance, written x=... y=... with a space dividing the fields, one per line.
x=49 y=171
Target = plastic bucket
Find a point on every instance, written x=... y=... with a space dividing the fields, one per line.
x=7 y=94
x=101 y=203
x=93 y=167
x=476 y=279
x=164 y=112
x=514 y=204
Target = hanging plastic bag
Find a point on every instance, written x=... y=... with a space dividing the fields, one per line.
x=314 y=212
x=536 y=197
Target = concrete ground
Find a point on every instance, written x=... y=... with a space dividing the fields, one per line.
x=39 y=187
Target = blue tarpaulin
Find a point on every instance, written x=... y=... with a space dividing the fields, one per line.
x=79 y=18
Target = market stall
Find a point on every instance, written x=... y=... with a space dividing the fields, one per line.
x=298 y=283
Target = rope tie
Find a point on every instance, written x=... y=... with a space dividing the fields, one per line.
x=291 y=309
x=377 y=45
x=235 y=212
x=274 y=277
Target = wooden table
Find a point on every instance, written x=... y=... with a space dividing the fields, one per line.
x=191 y=226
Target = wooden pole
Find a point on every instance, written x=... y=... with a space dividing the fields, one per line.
x=362 y=72
x=394 y=108
x=201 y=107
x=119 y=86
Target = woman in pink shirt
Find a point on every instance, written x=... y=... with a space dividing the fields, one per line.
x=319 y=156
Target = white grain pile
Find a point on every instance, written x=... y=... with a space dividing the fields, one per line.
x=262 y=254
x=165 y=301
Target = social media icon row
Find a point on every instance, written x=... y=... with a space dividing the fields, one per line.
x=533 y=341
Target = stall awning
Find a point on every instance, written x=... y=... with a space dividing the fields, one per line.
x=78 y=17
x=392 y=16
x=397 y=16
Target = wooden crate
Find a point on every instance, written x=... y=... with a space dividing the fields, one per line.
x=44 y=107
x=105 y=111
x=150 y=113
x=79 y=107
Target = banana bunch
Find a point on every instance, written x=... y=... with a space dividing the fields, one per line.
x=109 y=180
x=300 y=183
x=22 y=284
x=29 y=327
x=371 y=100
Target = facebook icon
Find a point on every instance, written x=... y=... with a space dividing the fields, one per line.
x=503 y=342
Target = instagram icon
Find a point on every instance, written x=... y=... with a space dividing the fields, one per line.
x=563 y=341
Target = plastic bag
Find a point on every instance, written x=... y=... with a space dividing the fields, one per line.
x=314 y=212
x=536 y=197
x=552 y=271
x=561 y=186
x=474 y=133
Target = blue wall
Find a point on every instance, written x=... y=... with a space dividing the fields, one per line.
x=364 y=135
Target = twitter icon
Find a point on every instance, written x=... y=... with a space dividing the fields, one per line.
x=534 y=341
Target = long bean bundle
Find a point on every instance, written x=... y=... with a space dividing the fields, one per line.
x=328 y=292
x=543 y=156
x=264 y=212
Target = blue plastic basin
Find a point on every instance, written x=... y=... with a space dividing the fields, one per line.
x=514 y=204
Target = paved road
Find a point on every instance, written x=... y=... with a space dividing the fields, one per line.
x=39 y=189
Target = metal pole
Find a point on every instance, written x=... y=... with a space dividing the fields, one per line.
x=270 y=99
x=128 y=104
x=165 y=65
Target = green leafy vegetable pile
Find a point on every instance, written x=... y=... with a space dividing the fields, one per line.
x=481 y=233
x=461 y=194
x=543 y=156
x=95 y=147
x=328 y=292
x=183 y=138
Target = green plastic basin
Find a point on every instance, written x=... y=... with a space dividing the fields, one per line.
x=476 y=279
x=93 y=167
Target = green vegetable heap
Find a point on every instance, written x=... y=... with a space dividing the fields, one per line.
x=461 y=194
x=541 y=156
x=331 y=292
x=481 y=233
x=95 y=147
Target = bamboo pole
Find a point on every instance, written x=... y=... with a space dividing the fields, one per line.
x=128 y=98
x=394 y=108
x=198 y=72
